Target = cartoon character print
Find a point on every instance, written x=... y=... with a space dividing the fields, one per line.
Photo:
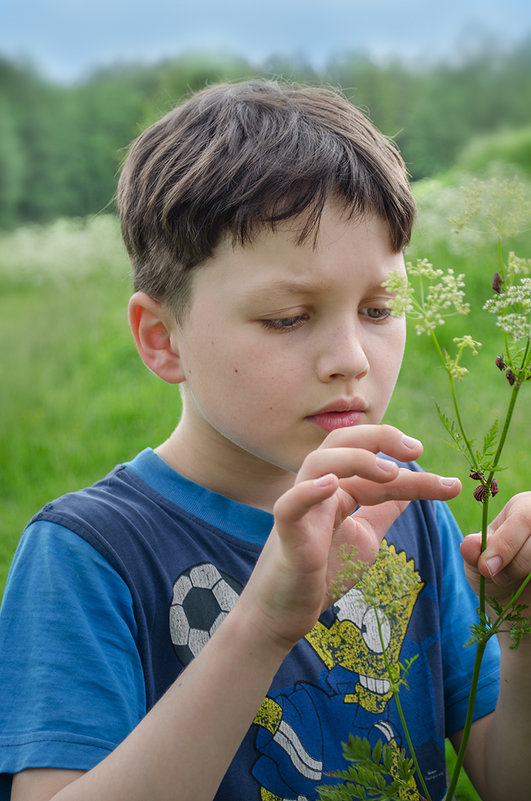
x=296 y=749
x=299 y=730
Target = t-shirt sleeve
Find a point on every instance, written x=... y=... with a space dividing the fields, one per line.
x=71 y=680
x=458 y=612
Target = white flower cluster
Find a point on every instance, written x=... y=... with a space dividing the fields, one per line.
x=443 y=296
x=513 y=307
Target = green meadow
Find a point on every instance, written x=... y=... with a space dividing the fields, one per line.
x=76 y=398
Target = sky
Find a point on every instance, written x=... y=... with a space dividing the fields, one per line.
x=67 y=39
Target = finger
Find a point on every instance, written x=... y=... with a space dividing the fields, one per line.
x=376 y=438
x=471 y=548
x=347 y=462
x=294 y=504
x=295 y=529
x=408 y=485
x=508 y=548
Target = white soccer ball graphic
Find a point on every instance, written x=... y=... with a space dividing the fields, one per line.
x=202 y=597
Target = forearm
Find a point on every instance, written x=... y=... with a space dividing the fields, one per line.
x=505 y=770
x=190 y=737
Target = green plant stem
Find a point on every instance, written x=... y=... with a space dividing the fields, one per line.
x=482 y=644
x=500 y=257
x=482 y=600
x=484 y=527
x=485 y=514
x=468 y=722
x=410 y=744
x=455 y=403
x=401 y=715
x=505 y=431
x=499 y=620
x=502 y=273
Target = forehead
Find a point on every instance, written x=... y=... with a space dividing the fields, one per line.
x=345 y=253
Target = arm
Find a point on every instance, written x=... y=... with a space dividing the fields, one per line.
x=497 y=759
x=281 y=602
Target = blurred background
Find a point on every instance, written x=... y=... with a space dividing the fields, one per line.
x=79 y=80
x=450 y=82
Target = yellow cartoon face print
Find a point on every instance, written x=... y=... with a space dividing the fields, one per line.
x=362 y=633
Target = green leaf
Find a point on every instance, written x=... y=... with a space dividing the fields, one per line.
x=387 y=758
x=377 y=751
x=490 y=440
x=450 y=426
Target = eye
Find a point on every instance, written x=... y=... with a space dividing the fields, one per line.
x=285 y=323
x=376 y=314
x=371 y=631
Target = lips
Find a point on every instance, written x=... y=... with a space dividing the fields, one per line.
x=340 y=414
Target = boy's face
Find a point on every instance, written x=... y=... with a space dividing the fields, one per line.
x=283 y=343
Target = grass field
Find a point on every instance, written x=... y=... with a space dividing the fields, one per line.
x=76 y=399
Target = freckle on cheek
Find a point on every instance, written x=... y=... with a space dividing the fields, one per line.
x=235 y=369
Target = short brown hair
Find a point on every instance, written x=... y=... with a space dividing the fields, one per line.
x=235 y=158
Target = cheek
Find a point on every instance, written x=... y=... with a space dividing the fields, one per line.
x=396 y=344
x=388 y=361
x=236 y=371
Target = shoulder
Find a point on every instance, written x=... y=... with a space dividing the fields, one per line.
x=64 y=605
x=54 y=566
x=112 y=495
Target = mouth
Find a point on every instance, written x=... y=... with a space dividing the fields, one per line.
x=340 y=414
x=378 y=686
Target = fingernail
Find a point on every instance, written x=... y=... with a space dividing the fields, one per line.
x=324 y=481
x=411 y=442
x=386 y=465
x=448 y=481
x=494 y=564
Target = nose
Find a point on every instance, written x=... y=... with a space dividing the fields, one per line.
x=342 y=354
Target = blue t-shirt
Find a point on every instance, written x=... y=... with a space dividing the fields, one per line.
x=114 y=589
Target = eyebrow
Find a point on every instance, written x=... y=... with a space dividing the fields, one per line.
x=301 y=287
x=282 y=286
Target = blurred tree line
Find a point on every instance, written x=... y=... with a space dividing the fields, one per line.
x=61 y=146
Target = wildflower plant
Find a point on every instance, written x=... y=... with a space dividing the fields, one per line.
x=428 y=297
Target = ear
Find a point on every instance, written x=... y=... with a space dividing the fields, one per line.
x=154 y=330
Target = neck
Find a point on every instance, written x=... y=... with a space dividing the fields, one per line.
x=228 y=471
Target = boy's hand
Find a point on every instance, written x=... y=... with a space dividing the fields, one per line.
x=507 y=559
x=289 y=586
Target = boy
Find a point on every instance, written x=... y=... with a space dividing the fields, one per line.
x=170 y=633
